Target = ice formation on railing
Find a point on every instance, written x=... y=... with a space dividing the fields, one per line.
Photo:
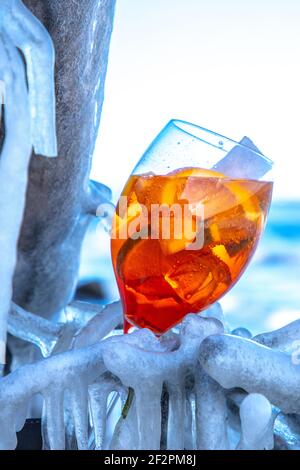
x=29 y=121
x=257 y=423
x=243 y=363
x=14 y=162
x=194 y=388
x=26 y=33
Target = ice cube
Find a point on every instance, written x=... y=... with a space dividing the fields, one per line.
x=244 y=161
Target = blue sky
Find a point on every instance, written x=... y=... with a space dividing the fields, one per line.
x=229 y=65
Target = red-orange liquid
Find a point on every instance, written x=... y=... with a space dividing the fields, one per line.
x=160 y=280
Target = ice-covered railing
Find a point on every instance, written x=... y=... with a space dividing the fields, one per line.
x=224 y=388
x=23 y=30
x=14 y=164
x=27 y=93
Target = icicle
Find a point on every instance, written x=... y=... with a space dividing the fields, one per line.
x=211 y=413
x=31 y=37
x=14 y=163
x=98 y=395
x=54 y=416
x=257 y=423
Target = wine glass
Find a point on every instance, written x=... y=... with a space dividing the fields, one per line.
x=187 y=223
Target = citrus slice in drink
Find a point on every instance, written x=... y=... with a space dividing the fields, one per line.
x=245 y=195
x=239 y=191
x=194 y=171
x=232 y=203
x=177 y=193
x=153 y=302
x=139 y=259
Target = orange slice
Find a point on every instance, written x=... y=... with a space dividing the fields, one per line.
x=139 y=260
x=244 y=192
x=178 y=189
x=194 y=171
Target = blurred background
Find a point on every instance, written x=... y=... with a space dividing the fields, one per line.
x=231 y=66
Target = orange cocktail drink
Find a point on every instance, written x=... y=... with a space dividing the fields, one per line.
x=164 y=274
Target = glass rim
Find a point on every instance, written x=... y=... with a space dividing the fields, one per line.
x=179 y=124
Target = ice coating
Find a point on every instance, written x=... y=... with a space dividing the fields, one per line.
x=98 y=398
x=99 y=325
x=26 y=33
x=84 y=367
x=14 y=163
x=34 y=329
x=285 y=339
x=287 y=432
x=60 y=199
x=211 y=413
x=29 y=118
x=53 y=337
x=216 y=311
x=150 y=368
x=73 y=370
x=242 y=332
x=77 y=383
x=257 y=423
x=265 y=371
